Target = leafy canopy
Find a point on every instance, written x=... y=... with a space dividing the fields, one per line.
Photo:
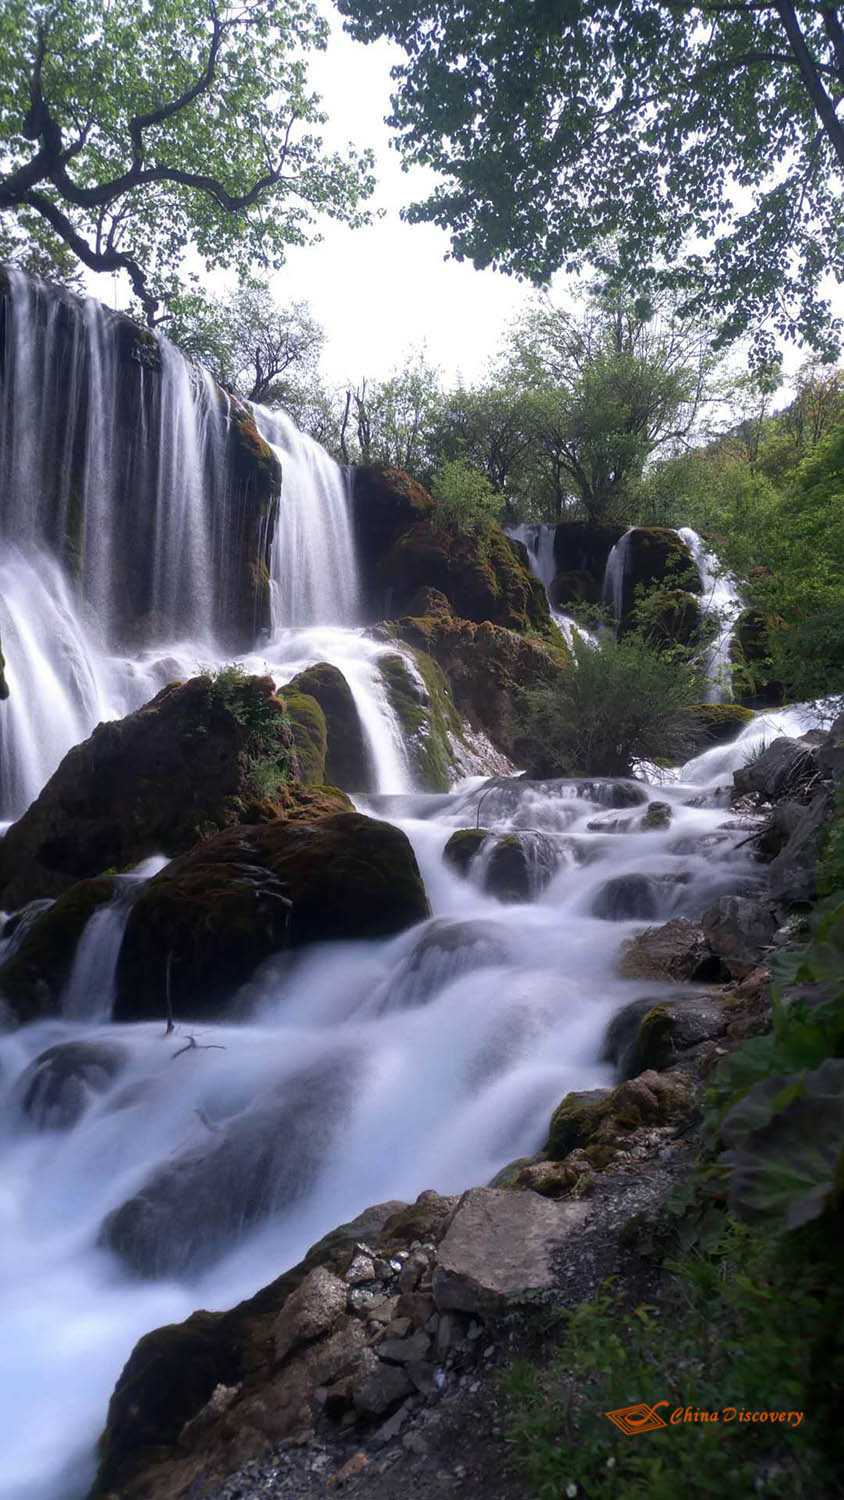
x=135 y=132
x=704 y=137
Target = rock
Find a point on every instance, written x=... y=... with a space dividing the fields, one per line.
x=426 y=1219
x=421 y=701
x=34 y=975
x=444 y=950
x=378 y=1387
x=348 y=763
x=738 y=929
x=385 y=503
x=361 y=1268
x=310 y=737
x=677 y=950
x=312 y=1310
x=462 y=847
x=154 y=782
x=657 y=556
x=783 y=766
x=650 y=1034
x=56 y=1089
x=219 y=911
x=405 y=1351
x=486 y=579
x=520 y=866
x=581 y=549
x=629 y=898
x=606 y=1116
x=717 y=723
x=656 y=818
x=499 y=1246
x=212 y=1191
x=831 y=752
x=792 y=875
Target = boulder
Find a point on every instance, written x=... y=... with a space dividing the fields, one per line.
x=462 y=847
x=657 y=557
x=385 y=502
x=154 y=782
x=483 y=578
x=831 y=752
x=675 y=621
x=792 y=875
x=520 y=865
x=431 y=726
x=500 y=1246
x=215 y=914
x=627 y=898
x=676 y=950
x=656 y=817
x=310 y=737
x=649 y=1034
x=738 y=929
x=781 y=768
x=238 y=1173
x=37 y=969
x=56 y=1089
x=444 y=950
x=312 y=1310
x=347 y=761
x=605 y=1117
x=717 y=723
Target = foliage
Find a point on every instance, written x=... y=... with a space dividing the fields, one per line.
x=136 y=133
x=250 y=343
x=609 y=386
x=28 y=243
x=246 y=701
x=267 y=776
x=393 y=418
x=466 y=501
x=622 y=702
x=621 y=131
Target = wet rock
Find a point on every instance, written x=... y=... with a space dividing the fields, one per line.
x=783 y=766
x=629 y=898
x=650 y=1034
x=215 y=914
x=581 y=549
x=575 y=1121
x=738 y=929
x=310 y=737
x=678 y=950
x=37 y=969
x=236 y=1174
x=347 y=762
x=792 y=874
x=717 y=723
x=656 y=818
x=444 y=950
x=831 y=752
x=155 y=781
x=59 y=1085
x=520 y=865
x=426 y=1219
x=500 y=1245
x=462 y=847
x=606 y=1116
x=312 y=1310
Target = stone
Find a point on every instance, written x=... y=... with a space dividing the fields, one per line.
x=405 y=1351
x=499 y=1246
x=310 y=737
x=462 y=847
x=425 y=1219
x=348 y=763
x=792 y=875
x=738 y=929
x=361 y=1268
x=56 y=1089
x=627 y=898
x=520 y=865
x=335 y=1357
x=678 y=950
x=650 y=1034
x=378 y=1387
x=605 y=1117
x=781 y=767
x=656 y=818
x=212 y=916
x=310 y=1311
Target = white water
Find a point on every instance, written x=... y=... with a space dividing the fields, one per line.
x=367 y=1070
x=720 y=599
x=612 y=593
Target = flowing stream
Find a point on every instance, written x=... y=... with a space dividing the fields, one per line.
x=366 y=1070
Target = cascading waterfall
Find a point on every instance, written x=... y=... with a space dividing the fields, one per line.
x=721 y=601
x=373 y=1069
x=538 y=541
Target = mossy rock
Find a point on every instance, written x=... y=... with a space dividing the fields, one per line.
x=310 y=737
x=581 y=548
x=215 y=914
x=462 y=847
x=600 y=1119
x=676 y=621
x=32 y=980
x=575 y=1121
x=508 y=870
x=717 y=723
x=424 y=708
x=656 y=817
x=347 y=760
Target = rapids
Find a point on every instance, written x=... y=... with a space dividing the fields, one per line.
x=429 y=1060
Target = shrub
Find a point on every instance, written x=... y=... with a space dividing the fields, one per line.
x=622 y=702
x=466 y=501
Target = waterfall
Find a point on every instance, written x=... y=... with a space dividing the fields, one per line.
x=612 y=592
x=721 y=602
x=538 y=541
x=314 y=563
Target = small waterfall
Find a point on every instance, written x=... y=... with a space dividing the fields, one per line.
x=612 y=593
x=314 y=562
x=720 y=600
x=538 y=542
x=89 y=992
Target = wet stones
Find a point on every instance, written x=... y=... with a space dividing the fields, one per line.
x=738 y=930
x=59 y=1085
x=649 y=1034
x=678 y=950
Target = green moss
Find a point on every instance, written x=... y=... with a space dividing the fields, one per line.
x=310 y=737
x=426 y=714
x=347 y=759
x=575 y=1121
x=718 y=723
x=462 y=848
x=654 y=1040
x=31 y=981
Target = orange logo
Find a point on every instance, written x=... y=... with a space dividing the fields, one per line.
x=638 y=1418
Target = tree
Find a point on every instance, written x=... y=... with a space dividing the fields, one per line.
x=610 y=386
x=558 y=128
x=135 y=132
x=393 y=418
x=28 y=243
x=252 y=344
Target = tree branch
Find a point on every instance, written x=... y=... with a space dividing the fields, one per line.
x=810 y=73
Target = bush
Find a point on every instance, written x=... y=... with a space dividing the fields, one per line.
x=621 y=702
x=466 y=501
